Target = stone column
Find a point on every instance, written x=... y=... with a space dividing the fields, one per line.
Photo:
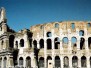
x=61 y=47
x=53 y=59
x=24 y=62
x=78 y=43
x=45 y=62
x=70 y=61
x=88 y=62
x=86 y=43
x=69 y=43
x=79 y=62
x=2 y=62
x=38 y=46
x=62 y=63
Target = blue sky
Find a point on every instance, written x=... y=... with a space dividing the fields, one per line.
x=26 y=13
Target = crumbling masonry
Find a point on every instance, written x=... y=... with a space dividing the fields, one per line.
x=65 y=44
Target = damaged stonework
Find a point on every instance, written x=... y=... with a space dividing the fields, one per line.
x=65 y=44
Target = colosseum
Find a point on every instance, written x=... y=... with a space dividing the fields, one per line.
x=65 y=44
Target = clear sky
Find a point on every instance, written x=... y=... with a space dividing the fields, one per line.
x=25 y=13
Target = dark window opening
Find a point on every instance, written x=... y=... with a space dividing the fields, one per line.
x=41 y=43
x=49 y=44
x=49 y=34
x=74 y=61
x=41 y=62
x=21 y=61
x=57 y=43
x=89 y=42
x=81 y=33
x=83 y=61
x=57 y=61
x=56 y=25
x=28 y=62
x=35 y=43
x=82 y=46
x=73 y=26
x=11 y=41
x=22 y=42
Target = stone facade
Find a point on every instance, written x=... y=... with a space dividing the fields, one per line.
x=65 y=44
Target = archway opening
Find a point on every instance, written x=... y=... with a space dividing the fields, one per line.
x=41 y=62
x=82 y=42
x=41 y=42
x=57 y=43
x=57 y=62
x=49 y=34
x=49 y=44
x=89 y=42
x=66 y=61
x=81 y=33
x=83 y=61
x=21 y=61
x=49 y=61
x=11 y=41
x=74 y=61
x=22 y=42
x=28 y=62
x=5 y=62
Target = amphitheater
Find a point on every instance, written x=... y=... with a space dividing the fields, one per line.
x=65 y=44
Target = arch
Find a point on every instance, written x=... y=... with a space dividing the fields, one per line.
x=5 y=62
x=49 y=58
x=35 y=43
x=88 y=25
x=41 y=42
x=72 y=25
x=57 y=43
x=49 y=34
x=66 y=61
x=49 y=44
x=75 y=61
x=56 y=25
x=11 y=41
x=81 y=33
x=22 y=42
x=57 y=62
x=83 y=61
x=73 y=41
x=28 y=62
x=21 y=61
x=82 y=42
x=89 y=42
x=41 y=62
x=65 y=40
